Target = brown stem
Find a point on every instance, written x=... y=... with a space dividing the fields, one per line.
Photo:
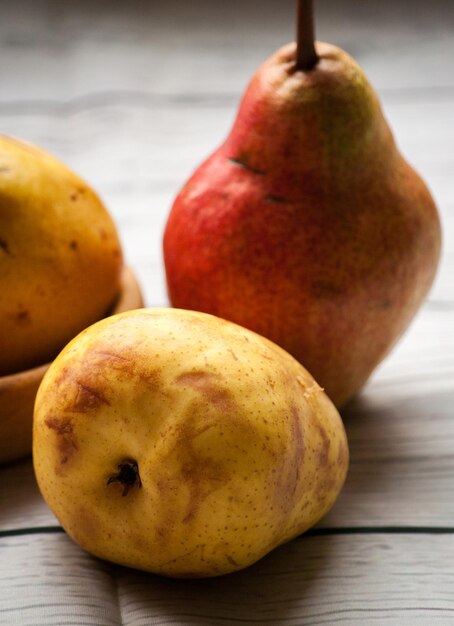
x=306 y=57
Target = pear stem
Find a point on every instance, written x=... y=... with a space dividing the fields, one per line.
x=306 y=56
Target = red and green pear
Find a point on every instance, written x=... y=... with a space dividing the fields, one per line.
x=307 y=225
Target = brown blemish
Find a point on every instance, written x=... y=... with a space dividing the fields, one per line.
x=298 y=443
x=183 y=556
x=235 y=358
x=200 y=474
x=151 y=378
x=4 y=169
x=76 y=193
x=277 y=199
x=297 y=436
x=112 y=360
x=323 y=452
x=73 y=244
x=105 y=358
x=342 y=455
x=112 y=356
x=289 y=468
x=23 y=317
x=231 y=560
x=62 y=427
x=86 y=524
x=88 y=398
x=62 y=376
x=194 y=379
x=4 y=246
x=103 y=234
x=203 y=476
x=129 y=368
x=209 y=385
x=329 y=484
x=241 y=162
x=66 y=441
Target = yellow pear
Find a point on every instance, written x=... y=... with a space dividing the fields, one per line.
x=179 y=443
x=60 y=256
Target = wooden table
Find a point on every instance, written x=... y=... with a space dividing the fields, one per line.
x=133 y=96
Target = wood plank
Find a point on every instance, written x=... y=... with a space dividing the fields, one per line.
x=402 y=462
x=48 y=581
x=377 y=579
x=21 y=504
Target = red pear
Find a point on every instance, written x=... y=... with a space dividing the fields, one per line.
x=307 y=225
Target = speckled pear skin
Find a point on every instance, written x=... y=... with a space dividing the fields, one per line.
x=60 y=256
x=307 y=225
x=236 y=446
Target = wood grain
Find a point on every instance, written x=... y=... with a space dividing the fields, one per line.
x=379 y=579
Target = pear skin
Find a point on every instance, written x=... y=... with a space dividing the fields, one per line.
x=181 y=444
x=60 y=256
x=307 y=225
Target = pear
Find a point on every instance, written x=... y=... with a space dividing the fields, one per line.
x=60 y=256
x=307 y=225
x=179 y=443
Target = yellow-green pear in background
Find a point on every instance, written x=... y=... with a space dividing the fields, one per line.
x=60 y=256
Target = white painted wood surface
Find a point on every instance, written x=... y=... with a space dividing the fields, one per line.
x=133 y=96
